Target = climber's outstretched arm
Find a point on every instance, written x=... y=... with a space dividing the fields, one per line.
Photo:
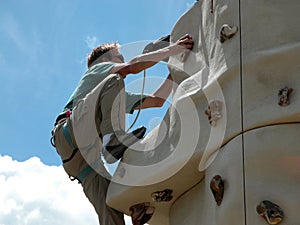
x=144 y=61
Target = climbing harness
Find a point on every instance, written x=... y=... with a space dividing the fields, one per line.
x=88 y=169
x=82 y=174
x=52 y=140
x=67 y=135
x=141 y=101
x=61 y=116
x=66 y=132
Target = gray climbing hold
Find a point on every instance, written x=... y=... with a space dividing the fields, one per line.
x=271 y=212
x=214 y=112
x=227 y=32
x=284 y=96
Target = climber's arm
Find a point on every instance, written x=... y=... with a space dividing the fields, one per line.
x=144 y=61
x=158 y=98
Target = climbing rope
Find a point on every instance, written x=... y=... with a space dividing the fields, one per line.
x=141 y=101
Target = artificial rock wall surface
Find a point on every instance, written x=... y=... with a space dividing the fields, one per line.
x=233 y=124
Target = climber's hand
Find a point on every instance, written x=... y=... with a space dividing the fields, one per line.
x=186 y=42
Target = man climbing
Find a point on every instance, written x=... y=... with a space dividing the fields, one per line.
x=93 y=120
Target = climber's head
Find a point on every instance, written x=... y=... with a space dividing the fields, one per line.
x=105 y=53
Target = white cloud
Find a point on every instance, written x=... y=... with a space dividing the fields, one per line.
x=13 y=30
x=91 y=41
x=26 y=40
x=33 y=193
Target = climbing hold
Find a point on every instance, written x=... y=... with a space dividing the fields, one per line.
x=284 y=96
x=271 y=212
x=141 y=213
x=217 y=188
x=121 y=172
x=214 y=112
x=184 y=56
x=227 y=32
x=162 y=196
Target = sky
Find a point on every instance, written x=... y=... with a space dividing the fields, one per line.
x=43 y=49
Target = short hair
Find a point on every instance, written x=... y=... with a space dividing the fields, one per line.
x=101 y=50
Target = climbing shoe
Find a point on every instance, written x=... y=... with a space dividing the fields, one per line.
x=119 y=142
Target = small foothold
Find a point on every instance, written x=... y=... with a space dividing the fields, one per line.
x=214 y=112
x=162 y=196
x=227 y=32
x=141 y=213
x=284 y=96
x=271 y=212
x=217 y=188
x=121 y=172
x=184 y=56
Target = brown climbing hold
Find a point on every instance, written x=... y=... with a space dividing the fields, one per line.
x=284 y=96
x=141 y=213
x=271 y=212
x=217 y=188
x=162 y=196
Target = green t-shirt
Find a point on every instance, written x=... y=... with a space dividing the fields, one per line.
x=92 y=78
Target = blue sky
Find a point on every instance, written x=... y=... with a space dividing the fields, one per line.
x=43 y=49
x=42 y=56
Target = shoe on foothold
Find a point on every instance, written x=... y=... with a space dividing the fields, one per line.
x=119 y=142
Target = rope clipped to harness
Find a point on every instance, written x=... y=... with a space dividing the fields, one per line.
x=141 y=102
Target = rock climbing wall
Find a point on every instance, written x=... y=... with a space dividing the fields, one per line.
x=226 y=151
x=260 y=165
